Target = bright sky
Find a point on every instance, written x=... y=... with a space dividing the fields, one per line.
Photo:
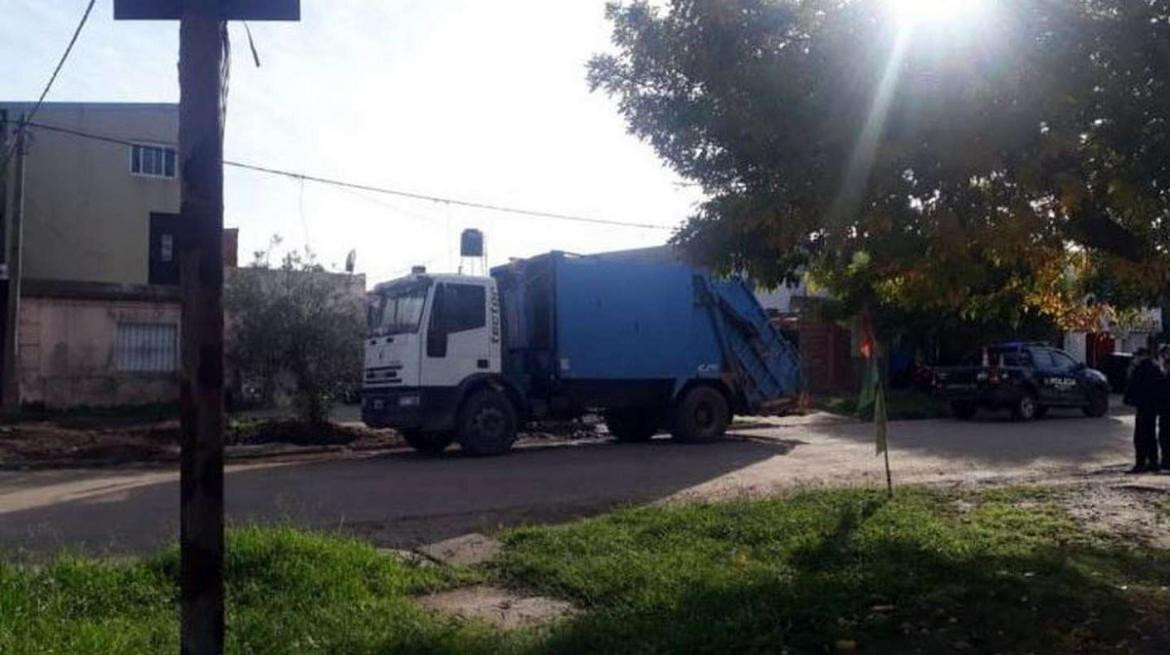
x=483 y=101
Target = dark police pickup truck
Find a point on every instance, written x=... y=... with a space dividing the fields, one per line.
x=1025 y=378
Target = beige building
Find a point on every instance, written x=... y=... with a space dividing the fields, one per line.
x=99 y=314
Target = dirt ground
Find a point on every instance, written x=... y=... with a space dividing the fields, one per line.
x=1133 y=509
x=29 y=444
x=81 y=442
x=61 y=444
x=504 y=608
x=398 y=498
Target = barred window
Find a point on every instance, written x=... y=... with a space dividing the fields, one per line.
x=147 y=347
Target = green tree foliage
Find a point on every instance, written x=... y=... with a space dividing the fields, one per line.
x=295 y=324
x=991 y=168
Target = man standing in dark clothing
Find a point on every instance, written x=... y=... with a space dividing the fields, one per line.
x=1144 y=394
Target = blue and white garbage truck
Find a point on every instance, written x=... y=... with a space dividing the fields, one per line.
x=647 y=345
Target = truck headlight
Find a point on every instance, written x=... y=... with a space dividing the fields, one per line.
x=408 y=401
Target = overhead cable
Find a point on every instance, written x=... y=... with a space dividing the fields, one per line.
x=52 y=78
x=378 y=189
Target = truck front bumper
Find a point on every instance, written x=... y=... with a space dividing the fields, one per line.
x=409 y=409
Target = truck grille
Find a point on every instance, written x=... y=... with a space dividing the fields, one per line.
x=383 y=375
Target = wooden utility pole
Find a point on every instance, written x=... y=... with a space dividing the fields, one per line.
x=3 y=181
x=202 y=77
x=4 y=152
x=202 y=101
x=13 y=234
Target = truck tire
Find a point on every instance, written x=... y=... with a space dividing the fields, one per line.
x=428 y=443
x=487 y=424
x=1024 y=408
x=701 y=416
x=632 y=425
x=1098 y=404
x=963 y=411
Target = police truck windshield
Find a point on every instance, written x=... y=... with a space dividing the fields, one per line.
x=397 y=311
x=1000 y=357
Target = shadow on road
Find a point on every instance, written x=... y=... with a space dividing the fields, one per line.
x=1064 y=437
x=399 y=498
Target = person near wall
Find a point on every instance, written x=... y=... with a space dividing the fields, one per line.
x=1164 y=410
x=1144 y=394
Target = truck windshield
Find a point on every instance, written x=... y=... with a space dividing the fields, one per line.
x=398 y=311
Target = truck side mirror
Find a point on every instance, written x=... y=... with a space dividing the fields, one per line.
x=437 y=326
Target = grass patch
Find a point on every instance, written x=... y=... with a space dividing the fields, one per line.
x=1010 y=573
x=288 y=592
x=803 y=572
x=901 y=405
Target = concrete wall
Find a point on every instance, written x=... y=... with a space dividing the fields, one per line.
x=86 y=217
x=68 y=335
x=1075 y=344
x=67 y=353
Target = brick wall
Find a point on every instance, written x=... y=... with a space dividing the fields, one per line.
x=825 y=356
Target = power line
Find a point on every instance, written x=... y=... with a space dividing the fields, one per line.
x=382 y=190
x=56 y=71
x=449 y=201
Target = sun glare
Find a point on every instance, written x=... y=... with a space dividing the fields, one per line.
x=911 y=13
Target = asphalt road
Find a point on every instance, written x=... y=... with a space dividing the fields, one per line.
x=403 y=499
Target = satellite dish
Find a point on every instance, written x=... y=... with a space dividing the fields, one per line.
x=350 y=260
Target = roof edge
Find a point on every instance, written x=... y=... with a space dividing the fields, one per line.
x=22 y=104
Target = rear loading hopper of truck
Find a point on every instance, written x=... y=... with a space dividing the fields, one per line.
x=648 y=345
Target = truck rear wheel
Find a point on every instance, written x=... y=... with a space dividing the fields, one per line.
x=428 y=443
x=487 y=424
x=701 y=416
x=632 y=425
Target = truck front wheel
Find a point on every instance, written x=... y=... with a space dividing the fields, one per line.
x=632 y=425
x=487 y=424
x=1098 y=404
x=701 y=416
x=1025 y=407
x=428 y=443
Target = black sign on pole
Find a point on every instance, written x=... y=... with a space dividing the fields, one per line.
x=202 y=35
x=229 y=9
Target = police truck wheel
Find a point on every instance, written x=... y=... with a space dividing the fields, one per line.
x=632 y=425
x=1025 y=407
x=487 y=424
x=428 y=443
x=1098 y=405
x=700 y=417
x=963 y=411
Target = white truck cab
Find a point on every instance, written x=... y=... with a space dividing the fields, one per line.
x=431 y=337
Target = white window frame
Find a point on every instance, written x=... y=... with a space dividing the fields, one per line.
x=163 y=147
